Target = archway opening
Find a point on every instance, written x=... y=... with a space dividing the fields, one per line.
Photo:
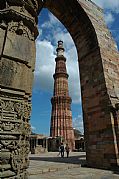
x=86 y=36
x=83 y=34
x=50 y=31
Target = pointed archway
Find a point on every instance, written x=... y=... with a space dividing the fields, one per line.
x=98 y=71
x=98 y=63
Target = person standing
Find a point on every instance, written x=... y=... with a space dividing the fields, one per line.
x=67 y=149
x=59 y=151
x=62 y=150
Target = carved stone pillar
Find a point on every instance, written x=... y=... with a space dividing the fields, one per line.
x=17 y=57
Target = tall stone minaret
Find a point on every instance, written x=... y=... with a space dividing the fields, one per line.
x=61 y=117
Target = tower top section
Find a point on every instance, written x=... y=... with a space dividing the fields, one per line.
x=60 y=49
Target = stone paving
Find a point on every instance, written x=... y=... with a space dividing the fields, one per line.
x=52 y=166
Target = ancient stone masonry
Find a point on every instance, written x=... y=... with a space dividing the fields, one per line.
x=61 y=117
x=99 y=73
x=14 y=135
x=18 y=31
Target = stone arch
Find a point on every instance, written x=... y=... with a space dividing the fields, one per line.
x=77 y=22
x=98 y=63
x=84 y=21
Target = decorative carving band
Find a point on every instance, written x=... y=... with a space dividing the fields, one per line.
x=61 y=99
x=14 y=136
x=20 y=29
x=18 y=16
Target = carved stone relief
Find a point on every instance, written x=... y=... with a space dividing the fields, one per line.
x=19 y=43
x=20 y=29
x=17 y=51
x=14 y=135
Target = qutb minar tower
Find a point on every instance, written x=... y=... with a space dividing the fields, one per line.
x=61 y=117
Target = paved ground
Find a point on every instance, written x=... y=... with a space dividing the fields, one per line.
x=51 y=166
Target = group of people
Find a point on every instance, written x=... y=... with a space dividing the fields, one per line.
x=62 y=149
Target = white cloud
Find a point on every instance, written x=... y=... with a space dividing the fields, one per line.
x=73 y=71
x=54 y=20
x=109 y=18
x=78 y=123
x=112 y=5
x=44 y=65
x=33 y=128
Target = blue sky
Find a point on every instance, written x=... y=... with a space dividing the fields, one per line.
x=50 y=31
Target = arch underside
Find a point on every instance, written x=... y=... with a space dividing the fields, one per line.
x=98 y=63
x=90 y=34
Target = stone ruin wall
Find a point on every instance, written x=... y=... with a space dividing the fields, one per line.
x=110 y=102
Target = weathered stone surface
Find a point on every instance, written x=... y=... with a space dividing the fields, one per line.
x=14 y=133
x=2 y=37
x=12 y=75
x=19 y=48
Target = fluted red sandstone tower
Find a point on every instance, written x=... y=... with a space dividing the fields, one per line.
x=61 y=117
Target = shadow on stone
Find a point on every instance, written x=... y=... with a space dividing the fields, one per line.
x=71 y=160
x=115 y=170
